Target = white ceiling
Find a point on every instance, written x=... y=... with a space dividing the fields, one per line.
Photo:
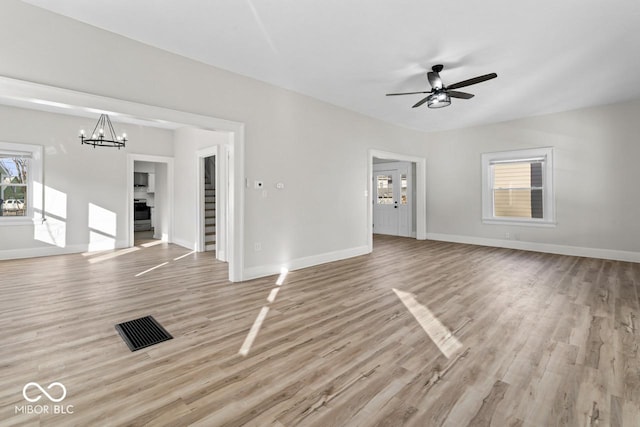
x=549 y=55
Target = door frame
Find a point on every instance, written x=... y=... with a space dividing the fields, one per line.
x=131 y=159
x=397 y=167
x=421 y=191
x=221 y=184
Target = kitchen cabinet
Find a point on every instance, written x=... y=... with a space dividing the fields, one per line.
x=151 y=183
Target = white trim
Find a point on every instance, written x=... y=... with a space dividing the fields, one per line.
x=131 y=159
x=8 y=254
x=548 y=192
x=579 y=251
x=310 y=261
x=31 y=95
x=421 y=191
x=518 y=221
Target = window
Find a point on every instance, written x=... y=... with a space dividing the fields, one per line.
x=20 y=167
x=385 y=190
x=517 y=187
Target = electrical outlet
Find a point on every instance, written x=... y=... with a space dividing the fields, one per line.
x=507 y=235
x=257 y=247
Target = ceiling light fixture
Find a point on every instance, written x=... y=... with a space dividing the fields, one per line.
x=101 y=139
x=439 y=100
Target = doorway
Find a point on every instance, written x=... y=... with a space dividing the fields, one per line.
x=417 y=191
x=150 y=198
x=393 y=198
x=209 y=205
x=213 y=200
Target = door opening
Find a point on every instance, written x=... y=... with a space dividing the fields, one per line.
x=394 y=204
x=415 y=191
x=213 y=201
x=150 y=200
x=209 y=205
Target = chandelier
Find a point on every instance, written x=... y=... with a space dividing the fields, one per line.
x=103 y=135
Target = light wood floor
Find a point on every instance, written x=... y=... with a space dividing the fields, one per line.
x=533 y=339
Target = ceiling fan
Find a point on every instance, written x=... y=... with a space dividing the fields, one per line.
x=440 y=95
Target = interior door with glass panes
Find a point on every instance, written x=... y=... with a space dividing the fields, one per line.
x=391 y=204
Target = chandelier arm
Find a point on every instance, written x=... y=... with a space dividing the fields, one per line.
x=114 y=137
x=94 y=133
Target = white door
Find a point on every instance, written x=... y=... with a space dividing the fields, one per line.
x=392 y=199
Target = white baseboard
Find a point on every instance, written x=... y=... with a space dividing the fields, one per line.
x=540 y=247
x=298 y=263
x=55 y=250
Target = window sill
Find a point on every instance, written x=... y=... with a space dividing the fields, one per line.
x=25 y=220
x=507 y=221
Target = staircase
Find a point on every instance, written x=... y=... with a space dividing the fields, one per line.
x=209 y=216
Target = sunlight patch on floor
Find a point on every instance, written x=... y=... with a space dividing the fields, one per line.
x=151 y=269
x=113 y=254
x=439 y=334
x=253 y=332
x=283 y=275
x=184 y=256
x=149 y=244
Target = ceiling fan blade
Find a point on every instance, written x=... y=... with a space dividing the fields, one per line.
x=434 y=80
x=406 y=93
x=473 y=81
x=422 y=101
x=461 y=95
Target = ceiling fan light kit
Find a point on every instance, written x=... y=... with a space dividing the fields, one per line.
x=438 y=100
x=440 y=95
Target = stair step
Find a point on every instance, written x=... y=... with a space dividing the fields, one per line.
x=209 y=205
x=210 y=220
x=210 y=199
x=210 y=228
x=209 y=193
x=210 y=247
x=209 y=186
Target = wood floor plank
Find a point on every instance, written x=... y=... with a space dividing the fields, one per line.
x=543 y=339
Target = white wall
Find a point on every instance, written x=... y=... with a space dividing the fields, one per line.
x=84 y=186
x=286 y=134
x=315 y=148
x=596 y=154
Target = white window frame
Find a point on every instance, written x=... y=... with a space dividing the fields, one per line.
x=34 y=181
x=548 y=195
